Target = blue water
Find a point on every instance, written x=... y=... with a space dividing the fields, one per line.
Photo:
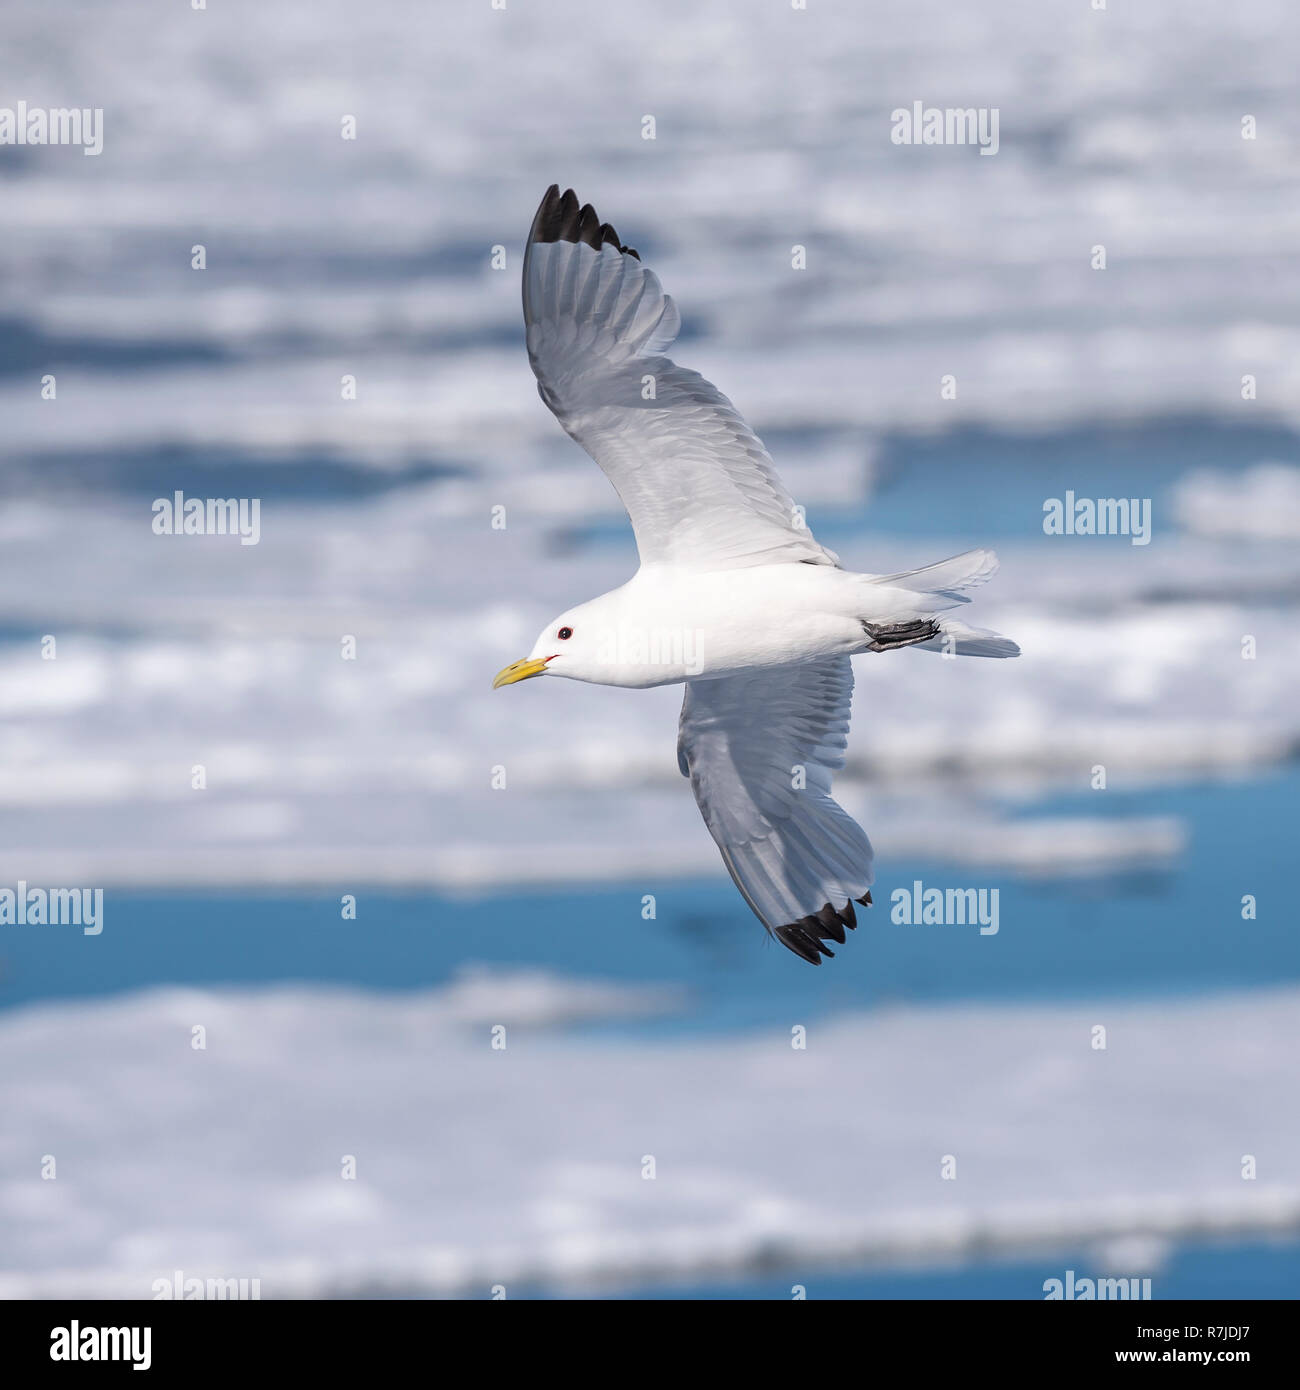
x=1206 y=1269
x=998 y=490
x=1138 y=935
x=984 y=486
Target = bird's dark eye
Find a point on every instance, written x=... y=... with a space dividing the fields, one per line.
x=564 y=634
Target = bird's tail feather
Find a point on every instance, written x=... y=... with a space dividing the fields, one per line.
x=944 y=585
x=960 y=639
x=949 y=578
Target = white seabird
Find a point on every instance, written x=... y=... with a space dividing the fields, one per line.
x=734 y=598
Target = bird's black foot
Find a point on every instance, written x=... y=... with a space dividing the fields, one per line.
x=885 y=637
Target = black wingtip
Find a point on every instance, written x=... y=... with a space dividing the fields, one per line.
x=807 y=937
x=794 y=938
x=561 y=218
x=830 y=919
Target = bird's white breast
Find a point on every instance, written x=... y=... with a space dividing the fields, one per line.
x=668 y=625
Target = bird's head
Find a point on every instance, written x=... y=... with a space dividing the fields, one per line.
x=570 y=645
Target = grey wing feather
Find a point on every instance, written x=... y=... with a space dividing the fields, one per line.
x=759 y=749
x=698 y=485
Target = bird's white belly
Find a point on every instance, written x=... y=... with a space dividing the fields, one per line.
x=677 y=626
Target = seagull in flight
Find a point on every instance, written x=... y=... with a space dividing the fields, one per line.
x=734 y=598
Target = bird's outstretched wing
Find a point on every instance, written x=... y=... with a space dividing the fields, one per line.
x=759 y=749
x=700 y=489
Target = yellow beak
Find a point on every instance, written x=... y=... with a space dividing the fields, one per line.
x=519 y=671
